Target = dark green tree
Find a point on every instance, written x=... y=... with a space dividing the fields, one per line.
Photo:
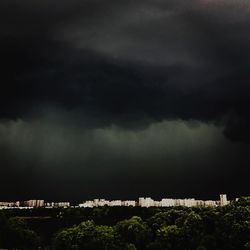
x=168 y=237
x=133 y=231
x=16 y=235
x=87 y=236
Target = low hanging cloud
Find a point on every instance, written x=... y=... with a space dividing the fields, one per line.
x=99 y=161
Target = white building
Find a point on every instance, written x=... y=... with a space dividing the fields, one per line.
x=157 y=204
x=210 y=203
x=85 y=204
x=115 y=203
x=199 y=203
x=63 y=204
x=7 y=204
x=34 y=203
x=129 y=203
x=223 y=200
x=146 y=202
x=167 y=202
x=100 y=202
x=40 y=203
x=189 y=202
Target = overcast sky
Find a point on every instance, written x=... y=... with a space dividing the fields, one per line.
x=120 y=99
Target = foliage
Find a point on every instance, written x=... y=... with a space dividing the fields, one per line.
x=134 y=231
x=121 y=228
x=87 y=236
x=15 y=234
x=168 y=237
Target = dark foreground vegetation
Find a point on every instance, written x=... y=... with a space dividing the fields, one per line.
x=128 y=228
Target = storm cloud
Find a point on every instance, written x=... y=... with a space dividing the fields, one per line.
x=94 y=91
x=170 y=158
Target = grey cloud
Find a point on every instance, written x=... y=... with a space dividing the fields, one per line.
x=104 y=159
x=100 y=93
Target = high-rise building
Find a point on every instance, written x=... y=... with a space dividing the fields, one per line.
x=223 y=200
x=34 y=203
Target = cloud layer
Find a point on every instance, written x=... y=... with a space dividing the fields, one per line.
x=107 y=88
x=170 y=158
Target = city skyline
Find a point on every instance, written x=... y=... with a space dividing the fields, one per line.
x=97 y=202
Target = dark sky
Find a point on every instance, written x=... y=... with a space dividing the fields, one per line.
x=120 y=99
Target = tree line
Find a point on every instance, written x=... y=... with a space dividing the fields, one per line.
x=108 y=228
